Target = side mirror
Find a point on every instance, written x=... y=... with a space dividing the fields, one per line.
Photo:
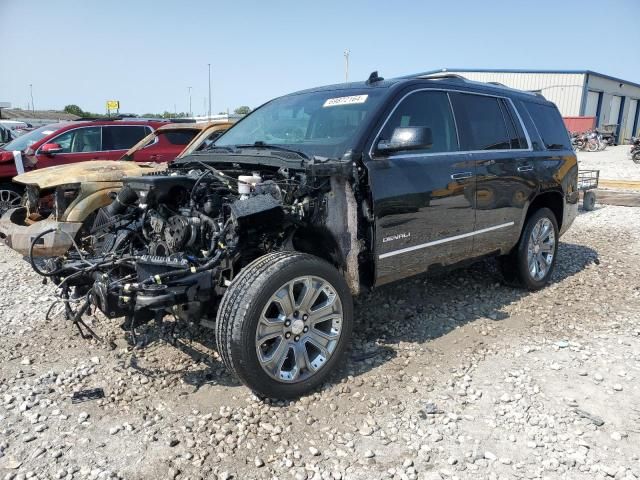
x=51 y=148
x=407 y=138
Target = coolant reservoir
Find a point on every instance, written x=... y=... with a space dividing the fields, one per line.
x=247 y=182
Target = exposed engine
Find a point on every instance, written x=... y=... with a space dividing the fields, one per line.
x=171 y=242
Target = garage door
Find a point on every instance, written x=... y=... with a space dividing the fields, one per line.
x=591 y=110
x=614 y=109
x=630 y=120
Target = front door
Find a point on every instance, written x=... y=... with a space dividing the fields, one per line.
x=422 y=200
x=78 y=145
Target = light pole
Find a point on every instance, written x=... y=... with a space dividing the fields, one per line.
x=209 y=116
x=189 y=90
x=346 y=65
x=33 y=108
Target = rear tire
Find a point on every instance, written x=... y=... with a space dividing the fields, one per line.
x=531 y=262
x=284 y=323
x=10 y=197
x=636 y=157
x=592 y=147
x=589 y=201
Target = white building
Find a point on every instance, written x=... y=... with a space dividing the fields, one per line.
x=613 y=101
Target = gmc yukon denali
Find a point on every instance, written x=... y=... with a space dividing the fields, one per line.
x=265 y=235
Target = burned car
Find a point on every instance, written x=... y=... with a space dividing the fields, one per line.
x=64 y=198
x=67 y=197
x=265 y=235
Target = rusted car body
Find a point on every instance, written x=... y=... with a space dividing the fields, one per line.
x=64 y=198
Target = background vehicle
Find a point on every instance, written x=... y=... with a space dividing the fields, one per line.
x=165 y=143
x=267 y=233
x=5 y=135
x=64 y=143
x=16 y=127
x=66 y=197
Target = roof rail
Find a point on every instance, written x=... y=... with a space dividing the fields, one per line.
x=438 y=76
x=89 y=119
x=181 y=120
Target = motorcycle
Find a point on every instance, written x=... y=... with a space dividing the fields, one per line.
x=635 y=149
x=595 y=143
x=578 y=141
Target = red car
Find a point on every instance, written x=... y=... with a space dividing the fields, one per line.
x=70 y=142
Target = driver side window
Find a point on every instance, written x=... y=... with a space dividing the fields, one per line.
x=425 y=109
x=80 y=140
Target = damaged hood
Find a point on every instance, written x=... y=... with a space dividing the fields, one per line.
x=92 y=171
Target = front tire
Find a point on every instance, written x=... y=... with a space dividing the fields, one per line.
x=284 y=323
x=530 y=264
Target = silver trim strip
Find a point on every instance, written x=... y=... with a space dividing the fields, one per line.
x=444 y=240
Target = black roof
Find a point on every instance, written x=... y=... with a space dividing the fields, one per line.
x=437 y=78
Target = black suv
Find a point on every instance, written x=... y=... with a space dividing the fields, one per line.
x=315 y=196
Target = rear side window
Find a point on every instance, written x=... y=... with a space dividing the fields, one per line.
x=482 y=124
x=182 y=137
x=122 y=137
x=550 y=126
x=425 y=109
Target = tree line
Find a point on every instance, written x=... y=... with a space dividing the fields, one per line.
x=76 y=110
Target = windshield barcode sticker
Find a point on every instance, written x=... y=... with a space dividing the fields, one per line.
x=334 y=102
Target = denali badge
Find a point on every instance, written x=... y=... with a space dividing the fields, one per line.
x=397 y=236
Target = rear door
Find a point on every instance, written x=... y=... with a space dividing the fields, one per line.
x=422 y=200
x=117 y=139
x=491 y=131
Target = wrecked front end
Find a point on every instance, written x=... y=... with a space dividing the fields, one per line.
x=41 y=216
x=172 y=242
x=59 y=203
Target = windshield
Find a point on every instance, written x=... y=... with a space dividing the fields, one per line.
x=323 y=123
x=24 y=141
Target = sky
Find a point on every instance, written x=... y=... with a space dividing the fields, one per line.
x=147 y=53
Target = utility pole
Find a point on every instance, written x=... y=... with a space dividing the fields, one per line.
x=209 y=116
x=346 y=65
x=189 y=90
x=33 y=108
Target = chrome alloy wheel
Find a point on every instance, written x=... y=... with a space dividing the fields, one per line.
x=299 y=329
x=8 y=199
x=541 y=248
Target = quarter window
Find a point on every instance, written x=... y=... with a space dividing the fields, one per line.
x=550 y=125
x=122 y=137
x=481 y=122
x=425 y=109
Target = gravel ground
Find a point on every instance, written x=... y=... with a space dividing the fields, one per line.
x=614 y=163
x=455 y=377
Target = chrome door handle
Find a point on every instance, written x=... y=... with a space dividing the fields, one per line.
x=461 y=175
x=525 y=168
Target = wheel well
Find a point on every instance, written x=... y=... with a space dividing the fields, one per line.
x=319 y=242
x=550 y=200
